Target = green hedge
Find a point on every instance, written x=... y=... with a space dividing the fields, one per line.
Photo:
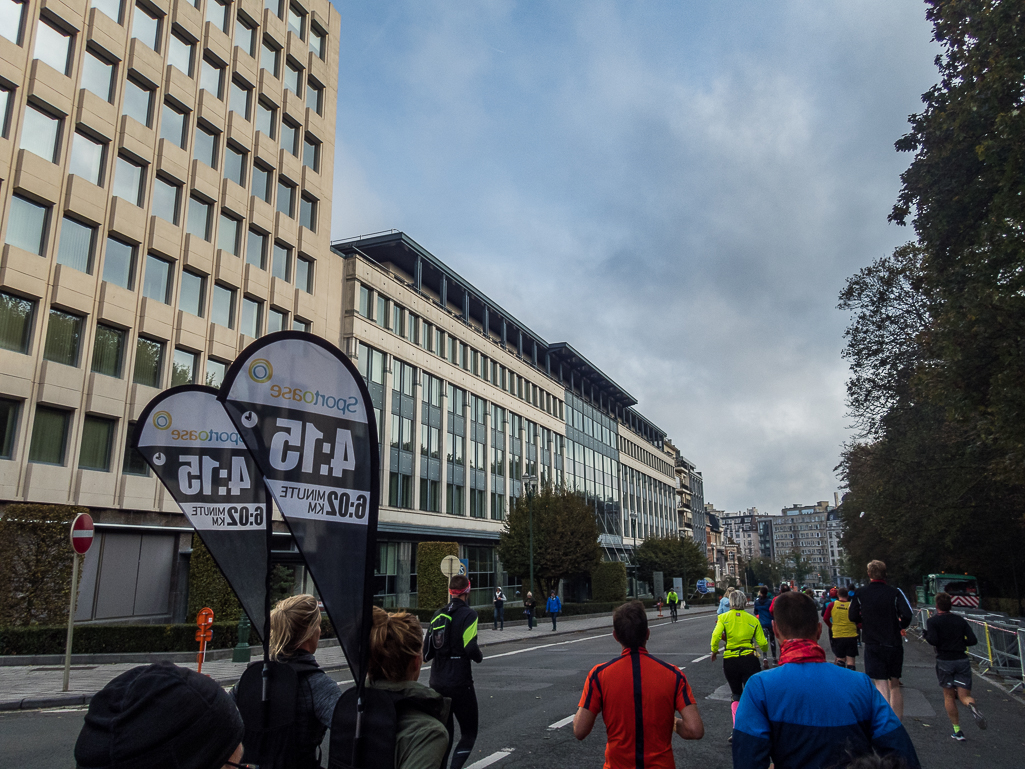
x=431 y=584
x=208 y=587
x=608 y=581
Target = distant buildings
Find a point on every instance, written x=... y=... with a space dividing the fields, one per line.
x=802 y=531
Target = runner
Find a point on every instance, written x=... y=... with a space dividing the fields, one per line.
x=762 y=604
x=952 y=635
x=843 y=637
x=742 y=632
x=674 y=604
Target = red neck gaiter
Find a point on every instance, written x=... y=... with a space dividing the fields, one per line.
x=801 y=650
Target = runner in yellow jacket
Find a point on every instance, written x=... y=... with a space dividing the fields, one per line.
x=743 y=632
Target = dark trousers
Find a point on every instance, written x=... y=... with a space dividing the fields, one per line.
x=738 y=670
x=771 y=638
x=530 y=620
x=554 y=615
x=499 y=616
x=672 y=610
x=464 y=710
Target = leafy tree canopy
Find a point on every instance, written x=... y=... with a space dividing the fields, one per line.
x=674 y=557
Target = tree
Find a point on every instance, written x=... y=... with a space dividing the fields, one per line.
x=674 y=557
x=765 y=571
x=796 y=565
x=565 y=537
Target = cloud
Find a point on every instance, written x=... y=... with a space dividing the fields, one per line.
x=678 y=190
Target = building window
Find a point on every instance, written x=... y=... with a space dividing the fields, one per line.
x=270 y=56
x=229 y=234
x=26 y=227
x=290 y=136
x=286 y=198
x=263 y=182
x=235 y=164
x=193 y=286
x=217 y=14
x=222 y=308
x=294 y=78
x=252 y=317
x=16 y=315
x=87 y=158
x=146 y=27
x=157 y=284
x=241 y=98
x=364 y=301
x=199 y=218
x=108 y=350
x=9 y=410
x=277 y=320
x=166 y=199
x=184 y=367
x=174 y=125
x=274 y=6
x=314 y=96
x=5 y=110
x=63 y=337
x=301 y=325
x=311 y=153
x=98 y=75
x=49 y=436
x=138 y=102
x=266 y=118
x=205 y=148
x=304 y=274
x=180 y=53
x=53 y=46
x=308 y=213
x=297 y=21
x=11 y=16
x=133 y=463
x=318 y=42
x=215 y=370
x=149 y=361
x=256 y=250
x=119 y=264
x=211 y=78
x=77 y=244
x=111 y=8
x=281 y=264
x=245 y=34
x=40 y=133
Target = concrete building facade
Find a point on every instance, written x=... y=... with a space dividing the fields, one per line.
x=803 y=530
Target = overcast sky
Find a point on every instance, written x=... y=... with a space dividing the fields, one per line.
x=677 y=189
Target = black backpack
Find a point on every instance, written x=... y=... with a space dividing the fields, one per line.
x=441 y=631
x=381 y=712
x=270 y=727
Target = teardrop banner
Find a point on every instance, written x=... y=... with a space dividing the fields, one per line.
x=305 y=414
x=185 y=435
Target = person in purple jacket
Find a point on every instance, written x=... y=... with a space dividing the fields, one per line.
x=786 y=718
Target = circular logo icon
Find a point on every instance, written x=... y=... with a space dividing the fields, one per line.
x=161 y=420
x=260 y=370
x=159 y=459
x=249 y=419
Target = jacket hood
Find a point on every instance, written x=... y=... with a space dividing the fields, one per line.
x=419 y=696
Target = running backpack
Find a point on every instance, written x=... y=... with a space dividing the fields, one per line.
x=270 y=727
x=441 y=631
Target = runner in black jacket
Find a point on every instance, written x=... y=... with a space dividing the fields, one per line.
x=952 y=635
x=451 y=644
x=883 y=611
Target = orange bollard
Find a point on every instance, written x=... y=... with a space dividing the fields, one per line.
x=205 y=622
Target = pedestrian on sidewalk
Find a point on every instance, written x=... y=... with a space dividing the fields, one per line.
x=499 y=618
x=952 y=635
x=883 y=613
x=452 y=645
x=742 y=632
x=761 y=608
x=638 y=697
x=553 y=607
x=673 y=599
x=157 y=717
x=529 y=605
x=843 y=637
x=294 y=637
x=808 y=713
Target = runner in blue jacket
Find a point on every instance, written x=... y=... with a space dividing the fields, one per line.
x=554 y=606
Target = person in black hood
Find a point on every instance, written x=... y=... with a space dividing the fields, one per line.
x=450 y=646
x=883 y=612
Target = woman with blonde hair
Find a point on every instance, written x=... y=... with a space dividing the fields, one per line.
x=294 y=636
x=396 y=654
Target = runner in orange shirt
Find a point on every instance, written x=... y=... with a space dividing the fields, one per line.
x=638 y=697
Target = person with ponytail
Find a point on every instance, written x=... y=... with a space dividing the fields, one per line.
x=396 y=655
x=294 y=636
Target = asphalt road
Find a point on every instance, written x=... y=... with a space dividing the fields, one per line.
x=529 y=690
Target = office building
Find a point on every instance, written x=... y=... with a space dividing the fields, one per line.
x=802 y=531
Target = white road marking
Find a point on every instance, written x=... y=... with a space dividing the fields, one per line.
x=700 y=658
x=80 y=709
x=562 y=723
x=493 y=758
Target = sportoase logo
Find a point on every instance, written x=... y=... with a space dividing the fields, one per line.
x=260 y=370
x=161 y=420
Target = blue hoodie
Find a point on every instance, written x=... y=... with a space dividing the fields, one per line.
x=762 y=610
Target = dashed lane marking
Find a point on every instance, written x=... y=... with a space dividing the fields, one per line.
x=700 y=658
x=493 y=758
x=562 y=723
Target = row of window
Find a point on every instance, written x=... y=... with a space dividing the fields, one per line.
x=394 y=317
x=653 y=461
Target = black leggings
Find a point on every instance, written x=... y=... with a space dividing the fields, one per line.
x=738 y=670
x=464 y=710
x=771 y=638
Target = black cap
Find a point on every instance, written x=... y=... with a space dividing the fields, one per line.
x=156 y=717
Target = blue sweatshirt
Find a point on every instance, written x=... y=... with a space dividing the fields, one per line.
x=809 y=715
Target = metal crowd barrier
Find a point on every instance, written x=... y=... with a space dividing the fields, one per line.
x=1001 y=647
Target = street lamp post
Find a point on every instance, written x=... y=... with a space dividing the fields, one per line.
x=528 y=482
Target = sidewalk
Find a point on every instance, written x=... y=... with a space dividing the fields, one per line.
x=26 y=687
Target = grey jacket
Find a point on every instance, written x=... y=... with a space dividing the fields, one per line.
x=421 y=741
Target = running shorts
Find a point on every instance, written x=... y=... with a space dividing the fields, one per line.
x=844 y=647
x=954 y=673
x=883 y=662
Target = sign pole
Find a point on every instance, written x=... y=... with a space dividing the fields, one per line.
x=71 y=622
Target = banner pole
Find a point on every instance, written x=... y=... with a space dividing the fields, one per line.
x=71 y=622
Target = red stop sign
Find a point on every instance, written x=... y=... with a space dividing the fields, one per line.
x=82 y=533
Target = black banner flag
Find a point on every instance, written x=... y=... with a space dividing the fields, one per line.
x=196 y=452
x=304 y=412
